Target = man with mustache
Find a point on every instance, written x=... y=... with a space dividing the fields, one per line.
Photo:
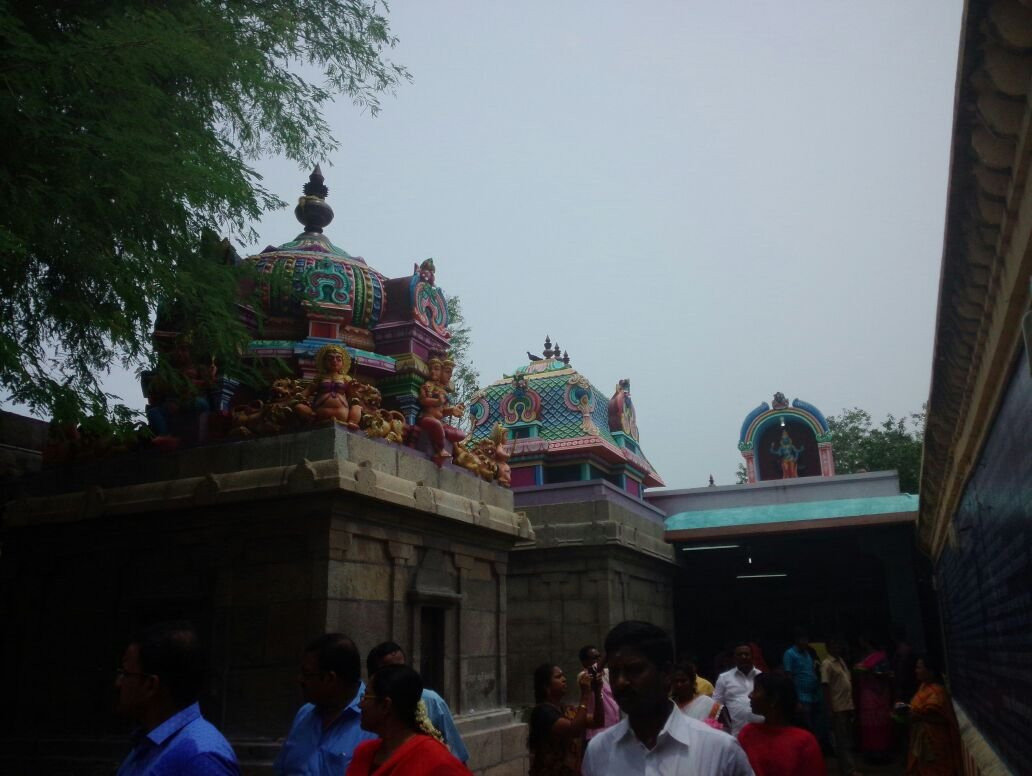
x=655 y=737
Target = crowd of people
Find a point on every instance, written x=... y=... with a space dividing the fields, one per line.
x=394 y=726
x=640 y=711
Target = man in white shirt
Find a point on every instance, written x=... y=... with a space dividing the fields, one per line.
x=655 y=738
x=733 y=688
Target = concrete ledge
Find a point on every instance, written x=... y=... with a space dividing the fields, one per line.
x=801 y=489
x=496 y=741
x=595 y=523
x=980 y=759
x=355 y=464
x=318 y=444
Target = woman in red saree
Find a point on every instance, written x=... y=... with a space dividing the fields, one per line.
x=776 y=747
x=934 y=748
x=403 y=747
x=874 y=693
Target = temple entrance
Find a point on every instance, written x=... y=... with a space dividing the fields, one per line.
x=760 y=587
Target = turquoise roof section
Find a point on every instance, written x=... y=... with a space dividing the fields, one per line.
x=801 y=511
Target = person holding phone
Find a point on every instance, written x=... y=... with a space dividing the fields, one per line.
x=591 y=661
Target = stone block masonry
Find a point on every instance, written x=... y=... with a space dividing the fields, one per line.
x=301 y=534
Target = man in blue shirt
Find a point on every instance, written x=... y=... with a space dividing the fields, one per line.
x=326 y=731
x=801 y=664
x=158 y=684
x=388 y=653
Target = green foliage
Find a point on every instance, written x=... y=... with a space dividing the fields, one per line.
x=895 y=443
x=465 y=378
x=128 y=129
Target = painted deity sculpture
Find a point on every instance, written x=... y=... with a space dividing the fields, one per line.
x=503 y=474
x=487 y=458
x=426 y=271
x=621 y=410
x=377 y=422
x=433 y=398
x=277 y=413
x=789 y=455
x=334 y=395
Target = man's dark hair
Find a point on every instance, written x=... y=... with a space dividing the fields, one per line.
x=378 y=653
x=582 y=655
x=172 y=652
x=336 y=652
x=650 y=640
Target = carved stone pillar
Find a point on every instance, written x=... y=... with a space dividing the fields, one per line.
x=501 y=569
x=401 y=555
x=750 y=465
x=463 y=566
x=827 y=459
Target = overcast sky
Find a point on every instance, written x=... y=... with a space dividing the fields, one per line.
x=715 y=200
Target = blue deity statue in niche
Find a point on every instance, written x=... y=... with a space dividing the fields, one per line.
x=788 y=453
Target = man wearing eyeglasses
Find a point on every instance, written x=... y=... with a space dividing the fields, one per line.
x=158 y=685
x=326 y=730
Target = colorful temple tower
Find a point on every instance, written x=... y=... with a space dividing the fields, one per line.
x=333 y=341
x=597 y=555
x=313 y=293
x=782 y=442
x=562 y=428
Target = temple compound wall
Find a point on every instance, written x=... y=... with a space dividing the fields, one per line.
x=264 y=544
x=976 y=498
x=983 y=574
x=597 y=558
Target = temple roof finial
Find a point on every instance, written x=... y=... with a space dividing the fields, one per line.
x=315 y=186
x=312 y=210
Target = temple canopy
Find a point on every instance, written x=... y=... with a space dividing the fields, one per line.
x=800 y=516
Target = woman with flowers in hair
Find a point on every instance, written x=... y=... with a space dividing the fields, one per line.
x=406 y=745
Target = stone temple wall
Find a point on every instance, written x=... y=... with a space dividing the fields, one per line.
x=598 y=558
x=282 y=539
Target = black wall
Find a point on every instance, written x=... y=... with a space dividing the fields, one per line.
x=985 y=582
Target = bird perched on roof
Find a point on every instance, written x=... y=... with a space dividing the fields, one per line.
x=532 y=357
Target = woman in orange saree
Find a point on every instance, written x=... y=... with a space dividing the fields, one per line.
x=934 y=748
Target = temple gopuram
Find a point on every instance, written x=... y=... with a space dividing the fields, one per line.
x=561 y=428
x=578 y=472
x=313 y=293
x=336 y=342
